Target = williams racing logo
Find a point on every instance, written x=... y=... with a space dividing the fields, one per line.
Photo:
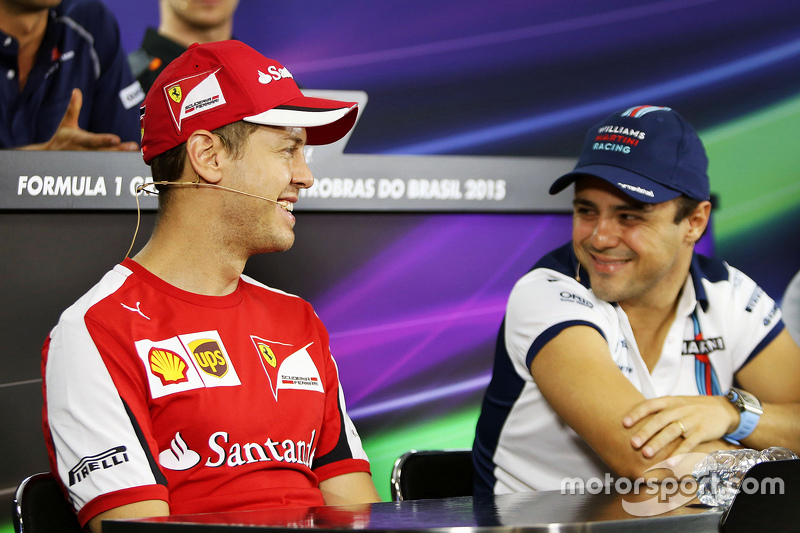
x=193 y=95
x=612 y=138
x=186 y=362
x=287 y=367
x=642 y=110
x=101 y=461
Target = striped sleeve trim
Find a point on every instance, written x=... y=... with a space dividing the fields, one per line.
x=551 y=333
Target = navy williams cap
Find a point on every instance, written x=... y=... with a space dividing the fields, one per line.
x=650 y=153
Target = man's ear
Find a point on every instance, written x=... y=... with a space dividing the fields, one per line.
x=698 y=221
x=206 y=153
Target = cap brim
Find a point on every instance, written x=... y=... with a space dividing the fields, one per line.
x=635 y=185
x=326 y=121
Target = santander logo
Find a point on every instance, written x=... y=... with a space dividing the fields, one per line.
x=178 y=456
x=273 y=73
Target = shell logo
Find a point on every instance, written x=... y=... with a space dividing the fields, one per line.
x=168 y=366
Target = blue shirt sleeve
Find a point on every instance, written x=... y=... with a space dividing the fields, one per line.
x=111 y=105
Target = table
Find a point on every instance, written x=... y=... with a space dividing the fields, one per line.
x=549 y=511
x=774 y=507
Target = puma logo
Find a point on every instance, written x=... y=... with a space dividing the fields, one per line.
x=136 y=309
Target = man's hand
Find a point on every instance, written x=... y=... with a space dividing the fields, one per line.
x=692 y=419
x=70 y=136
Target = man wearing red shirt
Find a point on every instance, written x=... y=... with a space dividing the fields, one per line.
x=177 y=384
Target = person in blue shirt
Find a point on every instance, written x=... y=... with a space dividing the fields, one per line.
x=65 y=83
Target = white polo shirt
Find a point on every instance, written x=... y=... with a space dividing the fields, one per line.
x=521 y=444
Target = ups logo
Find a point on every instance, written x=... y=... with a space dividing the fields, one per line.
x=209 y=357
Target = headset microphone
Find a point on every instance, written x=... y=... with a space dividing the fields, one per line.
x=286 y=205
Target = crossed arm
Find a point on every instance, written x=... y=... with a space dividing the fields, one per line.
x=773 y=377
x=632 y=434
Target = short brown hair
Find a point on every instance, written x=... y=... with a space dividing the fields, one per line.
x=686 y=207
x=169 y=165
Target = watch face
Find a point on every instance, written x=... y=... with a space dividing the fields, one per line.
x=745 y=401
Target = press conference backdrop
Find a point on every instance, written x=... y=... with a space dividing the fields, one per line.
x=413 y=300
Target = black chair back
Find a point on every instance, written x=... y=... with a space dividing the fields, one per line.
x=432 y=474
x=40 y=507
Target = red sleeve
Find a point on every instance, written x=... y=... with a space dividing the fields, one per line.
x=95 y=422
x=340 y=450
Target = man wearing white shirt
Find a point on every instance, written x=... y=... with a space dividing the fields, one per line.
x=624 y=347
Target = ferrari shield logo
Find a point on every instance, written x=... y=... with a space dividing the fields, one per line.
x=287 y=367
x=194 y=95
x=175 y=93
x=267 y=354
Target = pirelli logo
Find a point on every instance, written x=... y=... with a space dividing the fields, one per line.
x=102 y=461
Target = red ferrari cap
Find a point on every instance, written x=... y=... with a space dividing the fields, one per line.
x=214 y=84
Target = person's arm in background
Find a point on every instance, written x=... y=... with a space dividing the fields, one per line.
x=70 y=136
x=103 y=110
x=113 y=105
